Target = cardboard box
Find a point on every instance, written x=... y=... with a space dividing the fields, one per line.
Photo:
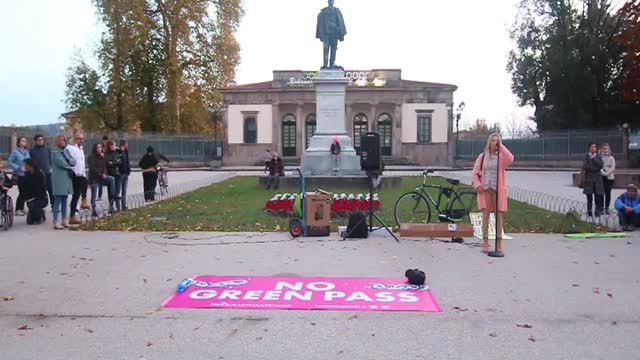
x=442 y=230
x=318 y=214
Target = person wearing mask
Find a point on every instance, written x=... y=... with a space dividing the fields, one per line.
x=276 y=170
x=592 y=184
x=490 y=182
x=41 y=155
x=98 y=176
x=113 y=169
x=608 y=176
x=16 y=163
x=335 y=153
x=125 y=171
x=79 y=181
x=148 y=164
x=628 y=207
x=35 y=193
x=62 y=166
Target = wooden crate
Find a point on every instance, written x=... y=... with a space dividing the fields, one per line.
x=442 y=230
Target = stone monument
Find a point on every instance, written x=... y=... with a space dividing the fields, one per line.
x=331 y=88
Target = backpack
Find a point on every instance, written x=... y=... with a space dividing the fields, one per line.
x=358 y=219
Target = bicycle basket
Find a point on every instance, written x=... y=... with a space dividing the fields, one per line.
x=458 y=214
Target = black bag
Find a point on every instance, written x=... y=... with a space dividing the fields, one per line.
x=361 y=231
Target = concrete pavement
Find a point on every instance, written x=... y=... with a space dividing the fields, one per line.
x=96 y=296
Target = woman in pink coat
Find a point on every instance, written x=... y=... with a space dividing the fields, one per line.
x=485 y=181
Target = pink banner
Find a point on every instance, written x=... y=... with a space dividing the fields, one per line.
x=269 y=293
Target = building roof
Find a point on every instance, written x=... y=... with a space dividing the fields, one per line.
x=268 y=85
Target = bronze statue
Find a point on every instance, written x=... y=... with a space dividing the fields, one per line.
x=330 y=30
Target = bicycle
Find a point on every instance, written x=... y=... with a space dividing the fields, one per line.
x=6 y=215
x=415 y=206
x=163 y=180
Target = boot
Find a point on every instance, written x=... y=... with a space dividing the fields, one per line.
x=85 y=204
x=74 y=220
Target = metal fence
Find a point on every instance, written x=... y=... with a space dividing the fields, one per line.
x=564 y=145
x=189 y=148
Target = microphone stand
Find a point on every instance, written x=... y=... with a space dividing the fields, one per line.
x=496 y=253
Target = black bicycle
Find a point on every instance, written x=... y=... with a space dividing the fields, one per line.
x=6 y=211
x=415 y=207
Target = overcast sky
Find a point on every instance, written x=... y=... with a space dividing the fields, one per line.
x=462 y=42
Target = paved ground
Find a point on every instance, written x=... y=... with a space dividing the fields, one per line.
x=95 y=296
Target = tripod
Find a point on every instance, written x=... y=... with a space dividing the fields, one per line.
x=371 y=214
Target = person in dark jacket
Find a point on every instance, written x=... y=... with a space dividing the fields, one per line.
x=276 y=170
x=125 y=171
x=335 y=153
x=628 y=207
x=35 y=193
x=114 y=160
x=149 y=164
x=98 y=177
x=593 y=185
x=41 y=155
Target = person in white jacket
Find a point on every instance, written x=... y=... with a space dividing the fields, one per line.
x=608 y=176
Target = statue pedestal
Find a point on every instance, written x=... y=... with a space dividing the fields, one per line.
x=331 y=87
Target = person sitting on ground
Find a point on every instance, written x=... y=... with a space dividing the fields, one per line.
x=276 y=170
x=98 y=176
x=149 y=165
x=35 y=192
x=628 y=207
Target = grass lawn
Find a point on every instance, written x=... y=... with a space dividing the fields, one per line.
x=237 y=205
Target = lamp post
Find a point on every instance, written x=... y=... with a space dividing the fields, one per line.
x=459 y=111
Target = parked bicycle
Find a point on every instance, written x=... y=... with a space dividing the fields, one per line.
x=6 y=211
x=452 y=205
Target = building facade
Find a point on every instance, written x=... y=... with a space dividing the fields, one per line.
x=414 y=119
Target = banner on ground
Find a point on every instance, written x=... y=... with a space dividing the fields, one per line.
x=476 y=221
x=274 y=293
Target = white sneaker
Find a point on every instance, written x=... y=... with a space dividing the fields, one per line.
x=19 y=213
x=65 y=224
x=57 y=226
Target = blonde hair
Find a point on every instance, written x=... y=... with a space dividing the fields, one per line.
x=487 y=148
x=58 y=139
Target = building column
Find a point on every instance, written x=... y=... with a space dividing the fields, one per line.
x=276 y=129
x=396 y=127
x=373 y=123
x=349 y=119
x=299 y=130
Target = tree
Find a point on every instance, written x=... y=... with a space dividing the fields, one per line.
x=86 y=94
x=630 y=38
x=480 y=127
x=567 y=64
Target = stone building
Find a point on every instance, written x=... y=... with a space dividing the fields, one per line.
x=414 y=118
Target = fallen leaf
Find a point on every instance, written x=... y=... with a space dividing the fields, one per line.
x=259 y=338
x=596 y=290
x=610 y=295
x=353 y=317
x=493 y=334
x=614 y=323
x=171 y=336
x=576 y=285
x=149 y=343
x=532 y=339
x=526 y=326
x=90 y=331
x=312 y=324
x=25 y=327
x=8 y=298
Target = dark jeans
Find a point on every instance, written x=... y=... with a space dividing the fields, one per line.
x=36 y=211
x=80 y=184
x=608 y=184
x=628 y=219
x=117 y=179
x=274 y=180
x=599 y=201
x=150 y=180
x=49 y=188
x=109 y=183
x=22 y=187
x=124 y=184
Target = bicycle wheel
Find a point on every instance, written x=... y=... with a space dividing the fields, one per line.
x=412 y=208
x=462 y=204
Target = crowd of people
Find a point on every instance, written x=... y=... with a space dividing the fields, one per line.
x=61 y=175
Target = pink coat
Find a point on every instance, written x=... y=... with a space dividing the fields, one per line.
x=506 y=158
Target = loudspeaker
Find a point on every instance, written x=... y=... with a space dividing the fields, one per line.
x=370 y=159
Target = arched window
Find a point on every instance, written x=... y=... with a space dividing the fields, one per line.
x=310 y=128
x=289 y=135
x=360 y=128
x=385 y=129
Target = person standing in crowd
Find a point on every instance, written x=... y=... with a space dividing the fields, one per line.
x=148 y=163
x=98 y=176
x=335 y=153
x=62 y=165
x=267 y=159
x=16 y=163
x=276 y=170
x=125 y=171
x=41 y=155
x=105 y=139
x=490 y=181
x=608 y=176
x=592 y=183
x=80 y=182
x=35 y=193
x=628 y=207
x=113 y=169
